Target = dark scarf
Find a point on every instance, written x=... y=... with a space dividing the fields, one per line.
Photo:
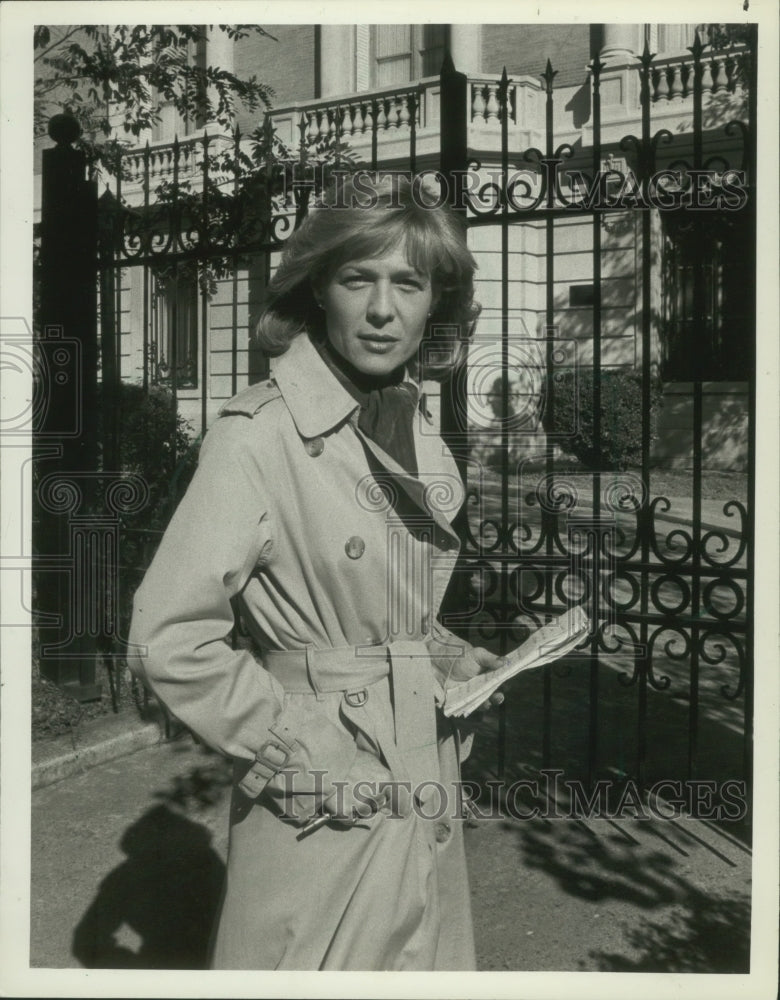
x=387 y=406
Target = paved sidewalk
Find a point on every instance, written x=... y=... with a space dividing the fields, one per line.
x=93 y=742
x=128 y=859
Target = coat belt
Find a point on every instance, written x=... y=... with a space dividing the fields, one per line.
x=324 y=671
x=411 y=747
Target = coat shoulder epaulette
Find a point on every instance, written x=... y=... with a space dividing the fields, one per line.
x=252 y=399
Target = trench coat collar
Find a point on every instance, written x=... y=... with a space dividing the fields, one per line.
x=314 y=396
x=317 y=401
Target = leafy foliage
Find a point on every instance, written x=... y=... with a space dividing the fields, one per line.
x=156 y=444
x=54 y=713
x=621 y=417
x=114 y=78
x=723 y=37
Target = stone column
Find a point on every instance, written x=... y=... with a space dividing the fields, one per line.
x=466 y=47
x=337 y=59
x=219 y=50
x=621 y=42
x=219 y=54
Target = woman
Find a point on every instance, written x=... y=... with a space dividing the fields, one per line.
x=321 y=512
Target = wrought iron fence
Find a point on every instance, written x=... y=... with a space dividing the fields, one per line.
x=189 y=231
x=665 y=682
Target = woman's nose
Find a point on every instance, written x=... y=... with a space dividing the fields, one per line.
x=381 y=308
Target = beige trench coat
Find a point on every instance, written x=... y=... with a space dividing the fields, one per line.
x=286 y=515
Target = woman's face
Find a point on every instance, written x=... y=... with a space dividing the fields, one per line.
x=376 y=310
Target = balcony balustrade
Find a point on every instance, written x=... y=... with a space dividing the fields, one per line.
x=386 y=121
x=673 y=74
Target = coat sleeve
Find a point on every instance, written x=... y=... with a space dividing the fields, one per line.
x=182 y=620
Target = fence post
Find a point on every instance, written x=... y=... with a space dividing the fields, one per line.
x=110 y=383
x=67 y=357
x=453 y=164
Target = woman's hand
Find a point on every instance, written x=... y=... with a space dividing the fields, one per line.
x=455 y=661
x=366 y=789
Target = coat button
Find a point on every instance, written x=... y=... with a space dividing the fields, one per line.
x=314 y=447
x=355 y=547
x=443 y=832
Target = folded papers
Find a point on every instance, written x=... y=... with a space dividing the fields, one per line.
x=548 y=643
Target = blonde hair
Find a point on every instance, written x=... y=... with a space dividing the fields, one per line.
x=362 y=217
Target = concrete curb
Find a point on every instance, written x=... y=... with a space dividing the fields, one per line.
x=81 y=759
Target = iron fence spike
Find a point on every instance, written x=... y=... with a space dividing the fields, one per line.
x=549 y=74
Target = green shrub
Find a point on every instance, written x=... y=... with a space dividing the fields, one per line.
x=621 y=417
x=156 y=447
x=161 y=450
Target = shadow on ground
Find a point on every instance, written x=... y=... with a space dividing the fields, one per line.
x=156 y=910
x=563 y=894
x=694 y=931
x=635 y=892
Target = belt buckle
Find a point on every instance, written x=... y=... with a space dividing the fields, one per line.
x=275 y=760
x=356 y=699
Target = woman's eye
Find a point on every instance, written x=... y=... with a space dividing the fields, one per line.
x=353 y=281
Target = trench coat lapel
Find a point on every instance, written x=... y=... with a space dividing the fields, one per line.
x=318 y=402
x=413 y=487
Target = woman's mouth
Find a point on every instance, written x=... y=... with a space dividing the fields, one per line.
x=376 y=343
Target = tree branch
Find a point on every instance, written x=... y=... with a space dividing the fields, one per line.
x=59 y=41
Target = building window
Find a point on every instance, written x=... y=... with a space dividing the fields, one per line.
x=401 y=53
x=707 y=333
x=174 y=345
